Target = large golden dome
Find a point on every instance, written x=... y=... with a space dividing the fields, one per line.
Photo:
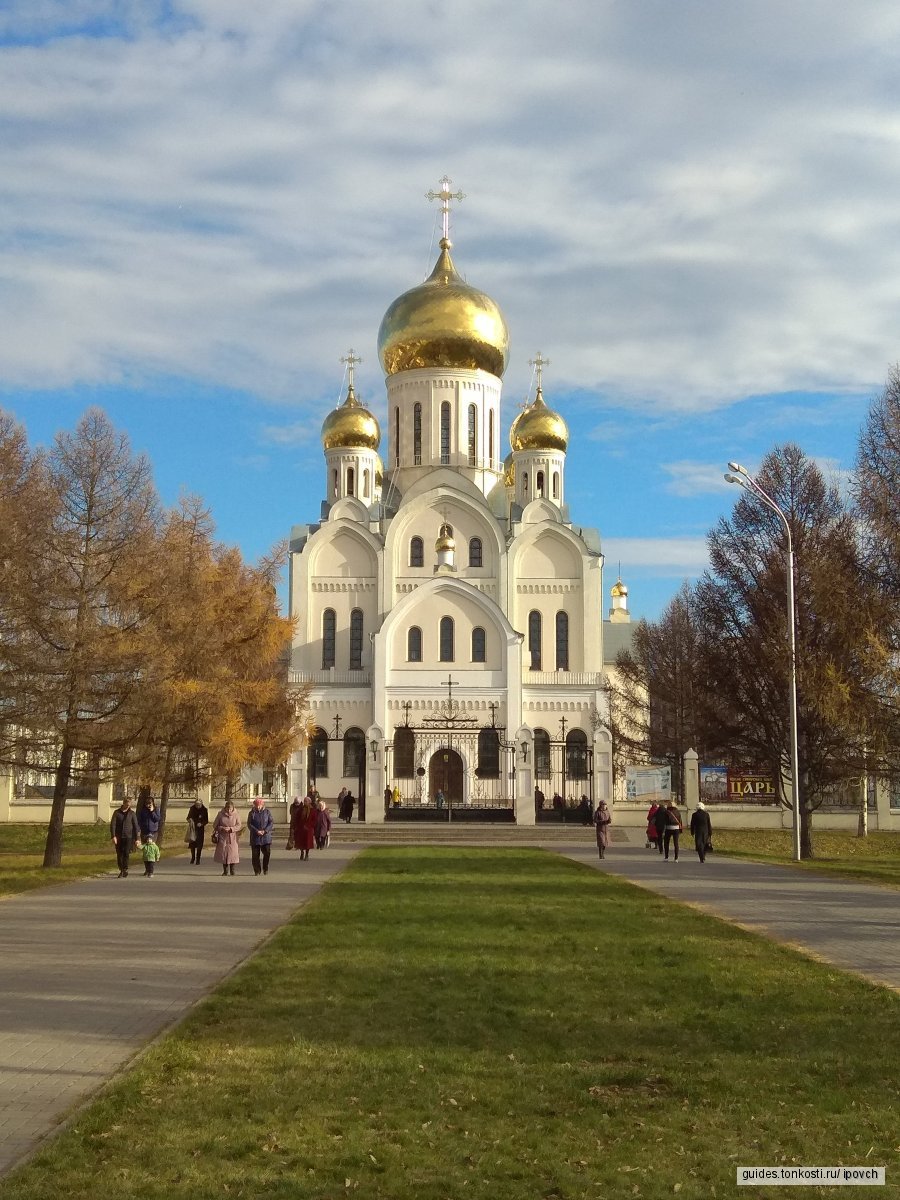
x=443 y=323
x=350 y=426
x=539 y=428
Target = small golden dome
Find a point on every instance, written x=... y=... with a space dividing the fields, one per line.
x=445 y=539
x=350 y=426
x=509 y=470
x=618 y=590
x=443 y=323
x=539 y=428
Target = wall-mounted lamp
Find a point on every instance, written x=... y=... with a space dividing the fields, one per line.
x=524 y=748
x=373 y=745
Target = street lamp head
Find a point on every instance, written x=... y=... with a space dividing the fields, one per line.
x=738 y=469
x=734 y=479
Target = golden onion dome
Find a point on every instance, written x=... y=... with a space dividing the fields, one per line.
x=443 y=323
x=618 y=590
x=539 y=428
x=445 y=539
x=350 y=426
x=509 y=470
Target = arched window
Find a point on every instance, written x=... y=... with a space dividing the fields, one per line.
x=417 y=434
x=556 y=485
x=534 y=639
x=576 y=754
x=318 y=755
x=329 y=626
x=539 y=483
x=488 y=753
x=416 y=552
x=414 y=645
x=351 y=482
x=542 y=754
x=491 y=438
x=404 y=753
x=445 y=433
x=446 y=639
x=525 y=484
x=354 y=753
x=479 y=645
x=476 y=555
x=356 y=639
x=397 y=437
x=365 y=488
x=473 y=439
x=334 y=483
x=562 y=641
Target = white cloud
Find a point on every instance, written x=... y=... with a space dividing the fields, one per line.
x=681 y=205
x=677 y=556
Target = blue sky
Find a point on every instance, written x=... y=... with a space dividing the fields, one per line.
x=689 y=209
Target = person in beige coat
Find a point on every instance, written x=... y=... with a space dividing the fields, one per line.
x=226 y=828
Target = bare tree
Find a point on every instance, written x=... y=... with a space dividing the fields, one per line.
x=741 y=608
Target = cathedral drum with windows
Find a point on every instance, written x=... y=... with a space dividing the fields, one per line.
x=448 y=612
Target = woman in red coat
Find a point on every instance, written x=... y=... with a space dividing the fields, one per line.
x=303 y=827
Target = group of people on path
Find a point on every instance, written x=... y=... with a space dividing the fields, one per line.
x=665 y=826
x=310 y=825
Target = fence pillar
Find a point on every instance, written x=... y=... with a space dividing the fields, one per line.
x=523 y=770
x=602 y=766
x=691 y=779
x=376 y=780
x=7 y=790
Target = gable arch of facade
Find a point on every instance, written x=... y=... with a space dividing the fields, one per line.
x=348 y=509
x=465 y=513
x=343 y=550
x=547 y=552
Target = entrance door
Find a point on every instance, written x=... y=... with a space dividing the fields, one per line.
x=445 y=774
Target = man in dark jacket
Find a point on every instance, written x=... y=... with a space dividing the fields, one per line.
x=123 y=829
x=659 y=820
x=701 y=830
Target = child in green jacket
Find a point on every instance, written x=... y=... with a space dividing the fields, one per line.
x=150 y=853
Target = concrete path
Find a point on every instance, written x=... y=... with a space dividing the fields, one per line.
x=92 y=971
x=856 y=926
x=85 y=986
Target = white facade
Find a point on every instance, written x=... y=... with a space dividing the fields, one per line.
x=447 y=600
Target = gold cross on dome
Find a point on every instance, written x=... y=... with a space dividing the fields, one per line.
x=350 y=360
x=445 y=196
x=539 y=362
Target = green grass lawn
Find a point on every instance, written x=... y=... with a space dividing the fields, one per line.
x=496 y=1024
x=872 y=859
x=87 y=850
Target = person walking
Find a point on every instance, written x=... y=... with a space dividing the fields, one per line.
x=148 y=819
x=602 y=822
x=303 y=827
x=261 y=824
x=660 y=819
x=342 y=804
x=125 y=834
x=673 y=829
x=387 y=798
x=349 y=802
x=226 y=828
x=322 y=826
x=197 y=821
x=396 y=797
x=701 y=830
x=651 y=826
x=150 y=853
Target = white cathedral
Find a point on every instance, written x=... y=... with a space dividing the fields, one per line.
x=448 y=611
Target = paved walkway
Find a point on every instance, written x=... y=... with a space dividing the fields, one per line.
x=856 y=926
x=92 y=971
x=85 y=985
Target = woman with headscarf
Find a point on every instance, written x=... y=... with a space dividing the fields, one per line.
x=226 y=828
x=303 y=827
x=602 y=822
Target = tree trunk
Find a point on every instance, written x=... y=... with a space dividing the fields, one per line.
x=806 y=849
x=164 y=794
x=53 y=847
x=229 y=785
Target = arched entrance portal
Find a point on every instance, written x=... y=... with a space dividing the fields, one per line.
x=445 y=774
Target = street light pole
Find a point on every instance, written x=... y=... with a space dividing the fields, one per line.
x=742 y=477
